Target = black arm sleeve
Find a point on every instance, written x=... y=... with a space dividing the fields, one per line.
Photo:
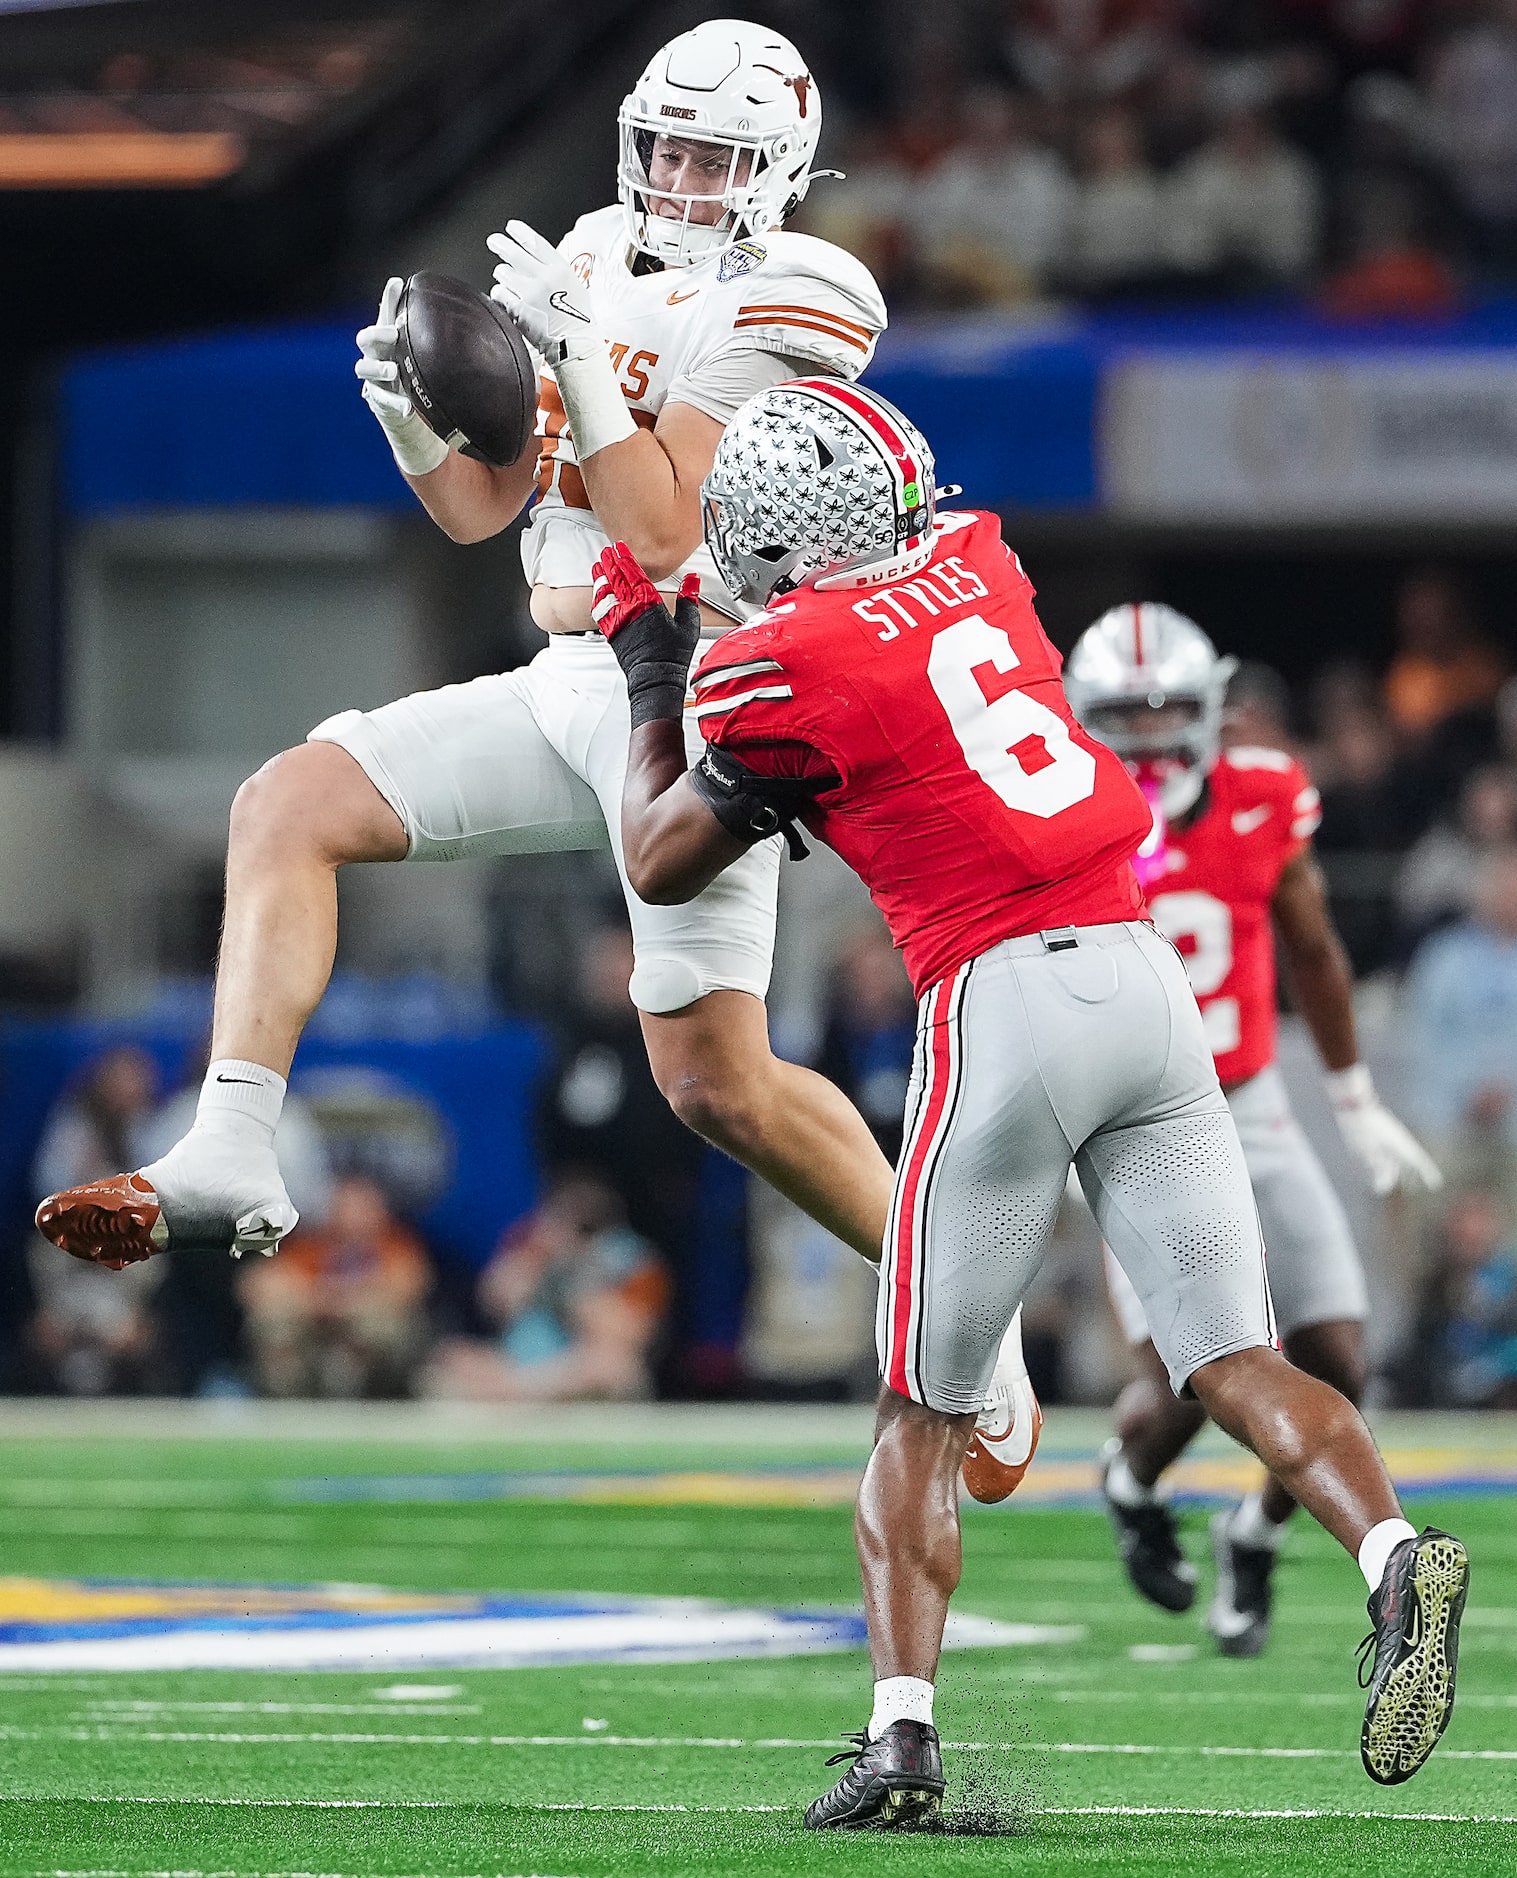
x=751 y=806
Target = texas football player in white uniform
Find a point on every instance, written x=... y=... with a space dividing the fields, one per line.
x=654 y=320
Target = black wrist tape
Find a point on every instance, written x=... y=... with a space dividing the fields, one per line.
x=656 y=690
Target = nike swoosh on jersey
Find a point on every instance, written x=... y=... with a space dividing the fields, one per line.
x=1245 y=821
x=675 y=298
x=561 y=303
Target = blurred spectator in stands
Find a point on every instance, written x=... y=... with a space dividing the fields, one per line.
x=1257 y=712
x=340 y=1309
x=1178 y=111
x=932 y=84
x=1370 y=811
x=994 y=211
x=1396 y=219
x=198 y=1306
x=1438 y=877
x=1461 y=1003
x=600 y=1110
x=1442 y=685
x=1119 y=236
x=578 y=1298
x=1462 y=1351
x=1091 y=48
x=1244 y=210
x=869 y=1032
x=92 y=1332
x=870 y=211
x=1390 y=270
x=1472 y=84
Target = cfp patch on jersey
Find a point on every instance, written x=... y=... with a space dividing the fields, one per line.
x=741 y=258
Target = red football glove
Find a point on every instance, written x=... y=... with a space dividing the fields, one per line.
x=653 y=648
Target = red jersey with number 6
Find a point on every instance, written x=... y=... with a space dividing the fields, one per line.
x=956 y=781
x=1210 y=887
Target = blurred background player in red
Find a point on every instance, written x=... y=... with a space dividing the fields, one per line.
x=1229 y=874
x=899 y=697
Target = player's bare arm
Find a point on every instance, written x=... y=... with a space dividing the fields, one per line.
x=646 y=489
x=675 y=847
x=1314 y=960
x=1319 y=973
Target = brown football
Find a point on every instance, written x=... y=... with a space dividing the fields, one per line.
x=466 y=368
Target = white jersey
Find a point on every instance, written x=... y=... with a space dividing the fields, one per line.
x=683 y=334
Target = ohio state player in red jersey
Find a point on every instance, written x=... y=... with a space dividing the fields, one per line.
x=1035 y=821
x=1228 y=868
x=899 y=698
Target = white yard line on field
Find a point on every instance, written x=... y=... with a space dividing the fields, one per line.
x=590 y=1806
x=126 y=1710
x=240 y=1739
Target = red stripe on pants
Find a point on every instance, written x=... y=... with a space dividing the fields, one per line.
x=905 y=1273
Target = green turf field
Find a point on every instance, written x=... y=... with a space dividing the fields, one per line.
x=1114 y=1749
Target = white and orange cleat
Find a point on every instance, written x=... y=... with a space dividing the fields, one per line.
x=114 y=1222
x=1006 y=1434
x=207 y=1194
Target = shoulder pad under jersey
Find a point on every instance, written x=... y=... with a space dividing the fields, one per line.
x=803 y=297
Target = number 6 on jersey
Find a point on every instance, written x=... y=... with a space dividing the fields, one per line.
x=1019 y=747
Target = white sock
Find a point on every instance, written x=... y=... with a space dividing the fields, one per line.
x=240 y=1099
x=1250 y=1525
x=900 y=1698
x=1124 y=1486
x=1011 y=1364
x=1377 y=1546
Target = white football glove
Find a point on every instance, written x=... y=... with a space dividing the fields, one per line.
x=1389 y=1152
x=417 y=449
x=543 y=294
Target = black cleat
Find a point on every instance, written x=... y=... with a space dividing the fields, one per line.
x=1149 y=1542
x=1408 y=1661
x=1240 y=1609
x=896 y=1780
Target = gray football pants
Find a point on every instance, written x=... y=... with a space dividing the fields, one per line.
x=1078 y=1045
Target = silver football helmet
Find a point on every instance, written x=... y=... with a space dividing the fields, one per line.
x=1150 y=684
x=822 y=484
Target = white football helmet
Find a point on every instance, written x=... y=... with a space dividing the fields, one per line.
x=821 y=484
x=730 y=83
x=1150 y=684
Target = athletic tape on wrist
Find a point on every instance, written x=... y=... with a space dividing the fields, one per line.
x=593 y=403
x=655 y=690
x=416 y=449
x=1353 y=1087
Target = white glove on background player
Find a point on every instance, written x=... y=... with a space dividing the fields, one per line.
x=543 y=294
x=1389 y=1152
x=417 y=449
x=551 y=305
